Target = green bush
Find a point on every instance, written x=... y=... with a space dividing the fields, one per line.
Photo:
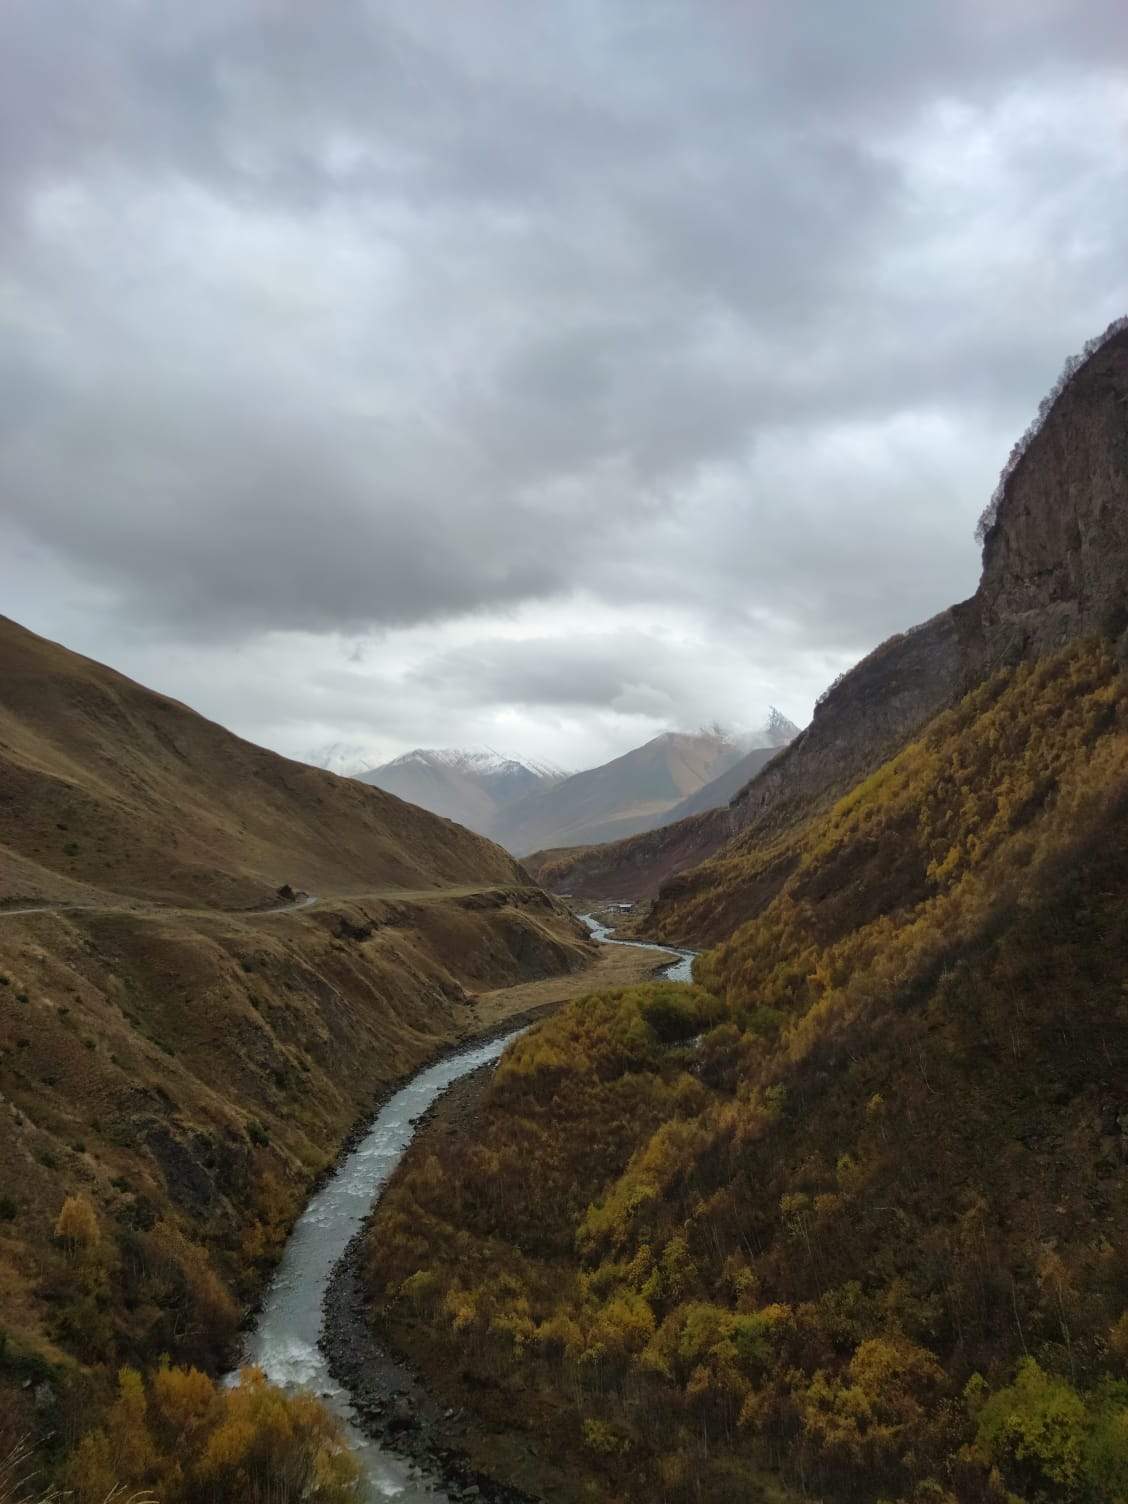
x=676 y=1012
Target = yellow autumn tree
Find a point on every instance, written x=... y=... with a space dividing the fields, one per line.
x=184 y=1438
x=76 y=1227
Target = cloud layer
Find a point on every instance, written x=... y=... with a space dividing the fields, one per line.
x=543 y=374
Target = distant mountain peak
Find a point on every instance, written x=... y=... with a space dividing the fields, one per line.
x=472 y=785
x=715 y=731
x=775 y=731
x=482 y=761
x=778 y=729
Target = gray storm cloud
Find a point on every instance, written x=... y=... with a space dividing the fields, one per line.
x=353 y=322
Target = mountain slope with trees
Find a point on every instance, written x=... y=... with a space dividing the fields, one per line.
x=855 y=1219
x=850 y=1184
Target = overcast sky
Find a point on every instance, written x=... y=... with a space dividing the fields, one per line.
x=537 y=375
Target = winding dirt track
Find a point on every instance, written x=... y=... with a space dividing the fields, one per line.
x=306 y=901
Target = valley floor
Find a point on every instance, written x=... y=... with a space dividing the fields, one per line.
x=617 y=966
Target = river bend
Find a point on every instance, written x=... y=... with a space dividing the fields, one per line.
x=284 y=1340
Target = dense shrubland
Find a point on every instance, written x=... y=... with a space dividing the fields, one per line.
x=170 y=1086
x=170 y=1433
x=177 y=1438
x=179 y=1435
x=850 y=1215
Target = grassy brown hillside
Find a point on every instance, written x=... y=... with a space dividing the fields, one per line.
x=106 y=786
x=178 y=1063
x=856 y=1222
x=634 y=868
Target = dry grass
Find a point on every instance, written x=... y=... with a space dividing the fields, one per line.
x=613 y=966
x=21 y=1482
x=178 y=1066
x=111 y=790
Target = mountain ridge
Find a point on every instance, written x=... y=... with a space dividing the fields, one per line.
x=94 y=766
x=1055 y=567
x=629 y=792
x=523 y=801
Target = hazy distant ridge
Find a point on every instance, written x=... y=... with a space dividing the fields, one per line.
x=524 y=804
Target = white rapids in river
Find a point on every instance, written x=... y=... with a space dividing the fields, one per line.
x=283 y=1342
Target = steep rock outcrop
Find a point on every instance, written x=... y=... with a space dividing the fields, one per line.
x=873 y=709
x=1055 y=562
x=1055 y=568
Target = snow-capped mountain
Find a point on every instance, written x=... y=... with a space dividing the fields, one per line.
x=481 y=762
x=470 y=785
x=525 y=804
x=777 y=730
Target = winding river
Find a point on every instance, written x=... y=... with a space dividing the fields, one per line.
x=284 y=1340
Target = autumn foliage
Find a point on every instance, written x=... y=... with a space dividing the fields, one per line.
x=182 y=1438
x=77 y=1227
x=849 y=1218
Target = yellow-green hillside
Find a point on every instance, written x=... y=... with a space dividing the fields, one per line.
x=851 y=1218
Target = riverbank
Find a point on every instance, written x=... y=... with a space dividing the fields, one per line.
x=391 y=1405
x=621 y=964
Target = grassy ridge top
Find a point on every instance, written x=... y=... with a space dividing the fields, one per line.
x=106 y=786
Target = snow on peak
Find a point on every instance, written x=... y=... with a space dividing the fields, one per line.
x=482 y=762
x=778 y=729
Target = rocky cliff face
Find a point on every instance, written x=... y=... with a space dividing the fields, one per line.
x=1055 y=563
x=1055 y=568
x=875 y=707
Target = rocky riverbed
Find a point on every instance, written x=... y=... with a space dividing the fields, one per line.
x=391 y=1404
